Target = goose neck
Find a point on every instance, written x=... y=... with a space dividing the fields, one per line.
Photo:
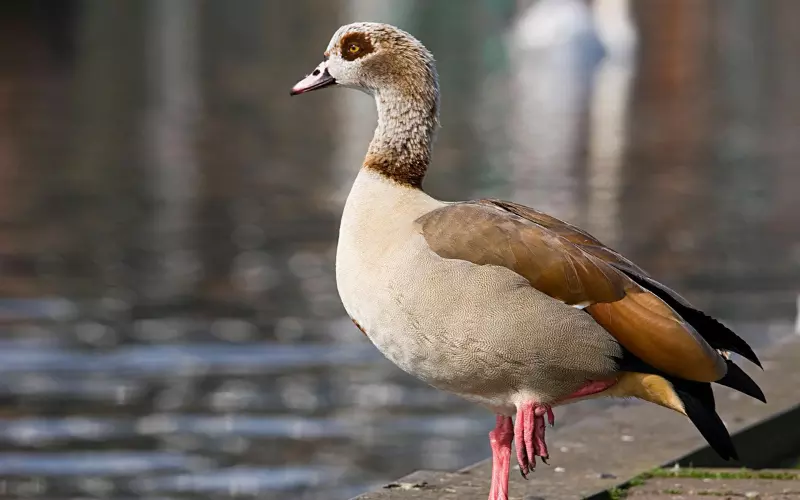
x=401 y=147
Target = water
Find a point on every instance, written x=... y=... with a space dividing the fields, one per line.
x=169 y=322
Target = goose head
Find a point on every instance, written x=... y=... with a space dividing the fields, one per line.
x=374 y=58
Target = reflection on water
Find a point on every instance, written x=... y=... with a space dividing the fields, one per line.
x=169 y=323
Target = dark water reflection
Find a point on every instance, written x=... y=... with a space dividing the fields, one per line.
x=169 y=324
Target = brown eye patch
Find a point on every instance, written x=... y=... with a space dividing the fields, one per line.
x=355 y=45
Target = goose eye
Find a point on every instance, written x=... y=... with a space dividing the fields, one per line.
x=353 y=48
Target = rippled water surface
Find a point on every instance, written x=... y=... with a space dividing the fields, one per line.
x=169 y=321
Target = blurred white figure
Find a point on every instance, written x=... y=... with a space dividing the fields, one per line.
x=555 y=48
x=549 y=24
x=608 y=118
x=615 y=28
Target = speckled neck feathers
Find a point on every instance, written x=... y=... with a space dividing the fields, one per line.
x=408 y=115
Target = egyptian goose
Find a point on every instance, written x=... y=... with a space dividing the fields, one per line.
x=500 y=304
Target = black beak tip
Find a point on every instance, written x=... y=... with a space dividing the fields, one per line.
x=314 y=81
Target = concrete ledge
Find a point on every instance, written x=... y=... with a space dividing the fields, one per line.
x=614 y=446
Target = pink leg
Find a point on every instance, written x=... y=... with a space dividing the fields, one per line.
x=500 y=439
x=529 y=434
x=530 y=425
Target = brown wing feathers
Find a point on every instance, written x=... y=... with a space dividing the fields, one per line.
x=551 y=258
x=715 y=333
x=485 y=235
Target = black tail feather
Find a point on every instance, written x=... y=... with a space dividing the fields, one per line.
x=715 y=333
x=735 y=378
x=738 y=380
x=628 y=362
x=698 y=402
x=698 y=399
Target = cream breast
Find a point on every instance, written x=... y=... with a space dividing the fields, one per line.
x=377 y=226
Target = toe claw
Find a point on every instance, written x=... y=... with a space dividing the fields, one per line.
x=524 y=468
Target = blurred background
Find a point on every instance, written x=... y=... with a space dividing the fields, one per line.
x=169 y=322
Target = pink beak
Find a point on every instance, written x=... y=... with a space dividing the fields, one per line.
x=318 y=79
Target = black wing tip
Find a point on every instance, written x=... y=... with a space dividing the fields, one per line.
x=734 y=342
x=713 y=331
x=753 y=360
x=698 y=402
x=738 y=380
x=717 y=334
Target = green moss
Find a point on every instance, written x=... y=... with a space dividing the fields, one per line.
x=673 y=491
x=712 y=474
x=620 y=492
x=637 y=481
